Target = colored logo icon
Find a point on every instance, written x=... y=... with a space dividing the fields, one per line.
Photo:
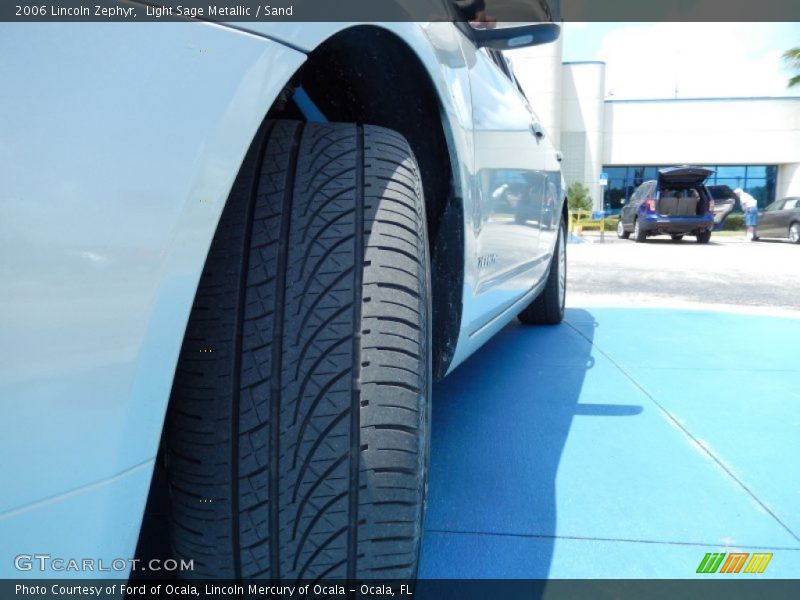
x=736 y=562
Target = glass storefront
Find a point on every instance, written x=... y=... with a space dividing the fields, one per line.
x=758 y=180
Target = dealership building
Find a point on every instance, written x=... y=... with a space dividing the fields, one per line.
x=752 y=143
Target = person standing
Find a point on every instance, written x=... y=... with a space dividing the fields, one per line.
x=750 y=208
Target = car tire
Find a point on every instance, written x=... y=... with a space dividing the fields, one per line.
x=676 y=237
x=794 y=233
x=639 y=235
x=297 y=434
x=548 y=307
x=621 y=233
x=704 y=237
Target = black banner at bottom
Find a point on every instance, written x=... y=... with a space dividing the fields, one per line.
x=424 y=589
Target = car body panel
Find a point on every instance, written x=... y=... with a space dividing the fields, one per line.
x=100 y=521
x=106 y=226
x=682 y=176
x=674 y=225
x=510 y=187
x=775 y=220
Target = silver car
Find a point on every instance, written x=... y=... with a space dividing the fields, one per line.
x=237 y=257
x=781 y=219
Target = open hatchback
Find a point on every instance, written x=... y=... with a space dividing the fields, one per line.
x=677 y=203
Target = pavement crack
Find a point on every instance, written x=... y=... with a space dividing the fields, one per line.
x=686 y=432
x=611 y=539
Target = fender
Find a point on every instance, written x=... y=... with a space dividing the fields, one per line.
x=104 y=244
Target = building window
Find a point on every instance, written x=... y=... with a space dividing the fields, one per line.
x=758 y=180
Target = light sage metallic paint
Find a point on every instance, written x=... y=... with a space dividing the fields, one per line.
x=118 y=147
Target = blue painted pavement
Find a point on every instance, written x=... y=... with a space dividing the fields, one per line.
x=623 y=443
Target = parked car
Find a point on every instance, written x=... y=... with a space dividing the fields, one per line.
x=266 y=243
x=725 y=202
x=676 y=204
x=781 y=219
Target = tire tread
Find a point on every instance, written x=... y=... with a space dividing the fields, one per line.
x=297 y=429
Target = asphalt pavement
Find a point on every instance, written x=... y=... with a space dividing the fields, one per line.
x=657 y=424
x=661 y=273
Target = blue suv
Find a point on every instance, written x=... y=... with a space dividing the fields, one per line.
x=676 y=204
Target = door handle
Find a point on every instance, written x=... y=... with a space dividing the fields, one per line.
x=536 y=130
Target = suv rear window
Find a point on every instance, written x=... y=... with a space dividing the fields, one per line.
x=720 y=192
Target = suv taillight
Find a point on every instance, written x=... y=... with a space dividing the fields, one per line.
x=711 y=205
x=650 y=205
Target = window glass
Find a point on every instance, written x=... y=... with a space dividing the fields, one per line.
x=791 y=204
x=720 y=192
x=637 y=194
x=758 y=180
x=615 y=172
x=731 y=183
x=758 y=189
x=756 y=171
x=650 y=172
x=614 y=193
x=728 y=171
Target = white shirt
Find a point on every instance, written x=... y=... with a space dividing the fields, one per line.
x=747 y=201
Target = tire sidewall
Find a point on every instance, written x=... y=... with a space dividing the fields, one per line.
x=561 y=252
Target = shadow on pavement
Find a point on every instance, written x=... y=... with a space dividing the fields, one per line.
x=500 y=423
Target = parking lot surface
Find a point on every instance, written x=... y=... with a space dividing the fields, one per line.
x=659 y=422
x=729 y=270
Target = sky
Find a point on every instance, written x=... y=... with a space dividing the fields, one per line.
x=652 y=60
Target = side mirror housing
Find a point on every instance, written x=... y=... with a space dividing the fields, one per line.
x=514 y=36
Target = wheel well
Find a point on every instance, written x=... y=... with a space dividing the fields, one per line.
x=366 y=74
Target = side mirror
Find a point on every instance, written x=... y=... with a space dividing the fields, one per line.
x=511 y=35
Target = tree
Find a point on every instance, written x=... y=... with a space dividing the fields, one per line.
x=578 y=197
x=792 y=58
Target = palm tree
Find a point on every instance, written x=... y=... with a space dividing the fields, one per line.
x=792 y=58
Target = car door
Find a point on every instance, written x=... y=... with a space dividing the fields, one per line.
x=629 y=210
x=769 y=222
x=639 y=195
x=788 y=214
x=510 y=186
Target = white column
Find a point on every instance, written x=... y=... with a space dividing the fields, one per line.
x=582 y=125
x=788 y=183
